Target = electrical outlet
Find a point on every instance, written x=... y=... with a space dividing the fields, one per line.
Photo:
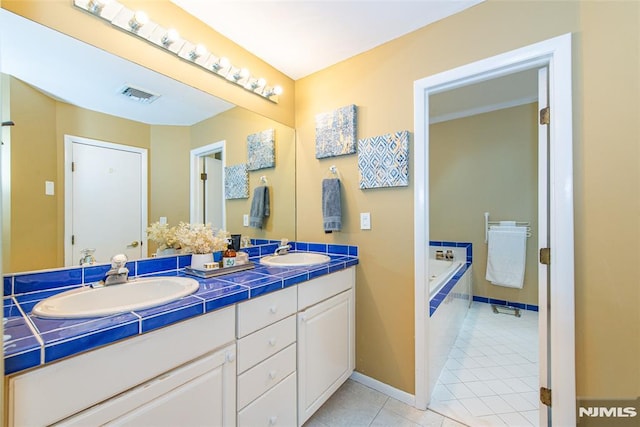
x=163 y=220
x=245 y=220
x=365 y=221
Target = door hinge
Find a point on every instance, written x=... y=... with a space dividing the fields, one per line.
x=545 y=256
x=545 y=116
x=203 y=176
x=73 y=166
x=73 y=239
x=545 y=396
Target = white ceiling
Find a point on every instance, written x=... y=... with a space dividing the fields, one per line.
x=300 y=37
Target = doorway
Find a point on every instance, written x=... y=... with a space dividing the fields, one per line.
x=556 y=321
x=105 y=199
x=207 y=185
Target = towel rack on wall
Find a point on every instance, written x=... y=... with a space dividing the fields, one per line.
x=332 y=172
x=488 y=224
x=263 y=180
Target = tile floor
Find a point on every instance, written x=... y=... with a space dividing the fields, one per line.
x=490 y=379
x=356 y=405
x=491 y=376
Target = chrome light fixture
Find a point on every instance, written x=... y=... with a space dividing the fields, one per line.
x=170 y=37
x=138 y=23
x=138 y=20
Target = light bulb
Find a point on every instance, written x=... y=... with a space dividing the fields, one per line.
x=221 y=64
x=197 y=52
x=170 y=37
x=138 y=20
x=277 y=90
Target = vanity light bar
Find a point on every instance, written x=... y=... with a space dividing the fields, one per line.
x=139 y=24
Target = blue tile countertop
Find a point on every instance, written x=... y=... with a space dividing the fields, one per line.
x=31 y=341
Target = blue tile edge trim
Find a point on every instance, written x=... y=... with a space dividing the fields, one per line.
x=439 y=297
x=34 y=281
x=520 y=305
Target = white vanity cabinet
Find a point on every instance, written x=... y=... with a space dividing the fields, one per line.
x=267 y=360
x=326 y=338
x=184 y=374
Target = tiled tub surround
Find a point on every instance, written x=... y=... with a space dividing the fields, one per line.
x=31 y=341
x=448 y=308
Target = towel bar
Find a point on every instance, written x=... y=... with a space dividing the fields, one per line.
x=488 y=224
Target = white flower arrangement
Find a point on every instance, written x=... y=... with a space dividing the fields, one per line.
x=201 y=238
x=163 y=236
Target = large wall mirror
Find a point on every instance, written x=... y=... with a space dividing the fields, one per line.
x=58 y=91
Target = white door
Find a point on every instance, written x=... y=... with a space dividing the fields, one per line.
x=212 y=191
x=207 y=195
x=105 y=201
x=543 y=242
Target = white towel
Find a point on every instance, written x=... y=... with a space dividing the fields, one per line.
x=506 y=256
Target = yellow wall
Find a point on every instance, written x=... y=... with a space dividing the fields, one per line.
x=61 y=15
x=607 y=183
x=486 y=163
x=169 y=172
x=33 y=161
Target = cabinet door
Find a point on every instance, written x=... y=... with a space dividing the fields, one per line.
x=325 y=351
x=199 y=393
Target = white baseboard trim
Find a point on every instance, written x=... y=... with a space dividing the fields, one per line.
x=397 y=394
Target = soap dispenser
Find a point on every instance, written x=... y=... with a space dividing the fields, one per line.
x=229 y=256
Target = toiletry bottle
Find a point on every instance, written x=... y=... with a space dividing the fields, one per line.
x=229 y=256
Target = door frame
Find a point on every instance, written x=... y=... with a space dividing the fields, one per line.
x=68 y=189
x=194 y=178
x=555 y=54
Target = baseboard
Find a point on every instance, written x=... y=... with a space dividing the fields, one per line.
x=390 y=391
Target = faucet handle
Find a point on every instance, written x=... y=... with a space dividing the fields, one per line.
x=119 y=261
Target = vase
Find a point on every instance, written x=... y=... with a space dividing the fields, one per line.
x=198 y=260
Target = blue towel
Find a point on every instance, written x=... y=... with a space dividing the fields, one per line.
x=331 y=205
x=260 y=207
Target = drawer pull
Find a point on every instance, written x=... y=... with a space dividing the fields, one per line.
x=272 y=341
x=273 y=420
x=231 y=357
x=272 y=374
x=273 y=309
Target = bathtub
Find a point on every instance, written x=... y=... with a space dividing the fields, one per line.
x=440 y=271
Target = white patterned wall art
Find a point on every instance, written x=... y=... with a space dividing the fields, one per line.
x=336 y=132
x=261 y=150
x=236 y=182
x=383 y=161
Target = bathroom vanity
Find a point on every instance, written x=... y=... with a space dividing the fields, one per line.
x=272 y=359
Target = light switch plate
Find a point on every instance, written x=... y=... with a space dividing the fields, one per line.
x=49 y=188
x=245 y=220
x=365 y=221
x=163 y=220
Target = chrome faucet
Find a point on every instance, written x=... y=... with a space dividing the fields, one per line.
x=284 y=247
x=118 y=273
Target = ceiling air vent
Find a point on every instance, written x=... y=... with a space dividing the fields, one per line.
x=137 y=94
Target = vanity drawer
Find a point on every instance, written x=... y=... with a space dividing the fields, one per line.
x=263 y=311
x=260 y=345
x=277 y=407
x=265 y=375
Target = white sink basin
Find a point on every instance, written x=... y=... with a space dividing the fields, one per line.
x=134 y=295
x=294 y=259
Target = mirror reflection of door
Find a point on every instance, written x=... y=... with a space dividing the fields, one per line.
x=211 y=182
x=106 y=200
x=207 y=185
